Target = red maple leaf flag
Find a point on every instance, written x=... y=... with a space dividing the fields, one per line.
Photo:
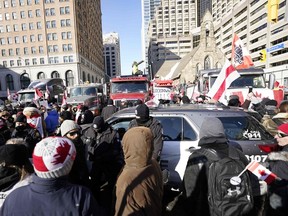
x=261 y=172
x=38 y=94
x=226 y=76
x=240 y=56
x=62 y=151
x=64 y=99
x=47 y=93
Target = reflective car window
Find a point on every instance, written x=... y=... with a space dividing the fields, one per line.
x=189 y=133
x=244 y=128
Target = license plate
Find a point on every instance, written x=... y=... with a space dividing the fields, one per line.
x=258 y=158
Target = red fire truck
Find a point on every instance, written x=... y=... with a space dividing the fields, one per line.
x=131 y=88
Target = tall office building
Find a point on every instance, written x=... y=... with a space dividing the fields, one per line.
x=203 y=6
x=148 y=12
x=111 y=52
x=48 y=39
x=248 y=19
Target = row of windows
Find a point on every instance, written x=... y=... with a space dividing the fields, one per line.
x=48 y=12
x=49 y=24
x=35 y=61
x=13 y=3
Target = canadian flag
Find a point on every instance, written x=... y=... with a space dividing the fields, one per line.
x=38 y=94
x=240 y=56
x=64 y=99
x=261 y=172
x=226 y=76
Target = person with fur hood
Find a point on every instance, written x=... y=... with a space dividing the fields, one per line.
x=278 y=163
x=139 y=188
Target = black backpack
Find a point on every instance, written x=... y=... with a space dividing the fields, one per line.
x=224 y=198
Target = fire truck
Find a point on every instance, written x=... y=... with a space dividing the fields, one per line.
x=251 y=79
x=131 y=88
x=162 y=90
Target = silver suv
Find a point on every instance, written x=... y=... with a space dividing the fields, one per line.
x=181 y=126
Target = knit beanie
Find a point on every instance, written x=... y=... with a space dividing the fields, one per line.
x=142 y=113
x=53 y=157
x=98 y=122
x=67 y=126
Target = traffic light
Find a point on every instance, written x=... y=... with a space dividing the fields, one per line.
x=263 y=55
x=272 y=10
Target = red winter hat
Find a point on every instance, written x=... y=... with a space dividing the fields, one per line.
x=283 y=128
x=53 y=157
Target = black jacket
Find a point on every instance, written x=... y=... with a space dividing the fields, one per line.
x=157 y=131
x=108 y=111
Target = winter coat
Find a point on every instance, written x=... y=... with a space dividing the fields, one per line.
x=50 y=197
x=139 y=188
x=4 y=193
x=271 y=125
x=108 y=111
x=278 y=190
x=157 y=131
x=52 y=122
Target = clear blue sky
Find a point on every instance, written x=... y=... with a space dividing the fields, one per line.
x=124 y=18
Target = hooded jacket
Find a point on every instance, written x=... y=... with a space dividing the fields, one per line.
x=139 y=188
x=195 y=183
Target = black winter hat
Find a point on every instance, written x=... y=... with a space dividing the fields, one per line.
x=15 y=154
x=21 y=118
x=110 y=102
x=98 y=122
x=66 y=115
x=142 y=113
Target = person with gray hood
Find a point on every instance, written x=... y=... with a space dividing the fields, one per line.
x=195 y=181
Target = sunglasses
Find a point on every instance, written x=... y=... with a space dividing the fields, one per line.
x=282 y=135
x=74 y=133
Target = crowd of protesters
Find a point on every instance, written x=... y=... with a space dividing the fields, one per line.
x=64 y=160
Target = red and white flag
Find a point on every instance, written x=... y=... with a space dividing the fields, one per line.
x=47 y=93
x=38 y=94
x=226 y=76
x=64 y=99
x=240 y=56
x=261 y=172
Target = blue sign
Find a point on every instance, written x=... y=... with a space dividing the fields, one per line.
x=275 y=48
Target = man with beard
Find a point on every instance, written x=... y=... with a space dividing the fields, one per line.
x=143 y=118
x=5 y=133
x=23 y=130
x=79 y=171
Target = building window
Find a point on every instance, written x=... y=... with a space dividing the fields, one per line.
x=50 y=48
x=9 y=40
x=22 y=14
x=69 y=78
x=1 y=29
x=69 y=35
x=41 y=49
x=17 y=51
x=42 y=61
x=70 y=47
x=68 y=22
x=4 y=63
x=21 y=2
x=11 y=63
x=7 y=17
x=64 y=47
x=33 y=50
x=23 y=26
x=24 y=39
x=9 y=81
x=38 y=13
x=39 y=25
x=70 y=58
x=25 y=50
x=40 y=37
x=3 y=52
x=65 y=59
x=54 y=36
x=64 y=35
x=37 y=1
x=19 y=62
x=49 y=36
x=11 y=53
x=40 y=75
x=13 y=3
x=2 y=41
x=32 y=38
x=83 y=76
x=14 y=15
x=55 y=74
x=63 y=23
x=30 y=14
x=27 y=62
x=29 y=2
x=15 y=27
x=52 y=12
x=48 y=24
x=207 y=64
x=67 y=10
x=62 y=10
x=8 y=28
x=24 y=80
x=53 y=24
x=17 y=40
x=34 y=61
x=47 y=12
x=55 y=48
x=31 y=26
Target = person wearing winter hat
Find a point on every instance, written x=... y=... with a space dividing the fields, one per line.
x=106 y=155
x=25 y=131
x=143 y=118
x=79 y=173
x=278 y=164
x=51 y=193
x=109 y=110
x=15 y=168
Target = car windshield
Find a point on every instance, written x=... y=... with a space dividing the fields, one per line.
x=244 y=128
x=80 y=91
x=27 y=96
x=255 y=81
x=125 y=87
